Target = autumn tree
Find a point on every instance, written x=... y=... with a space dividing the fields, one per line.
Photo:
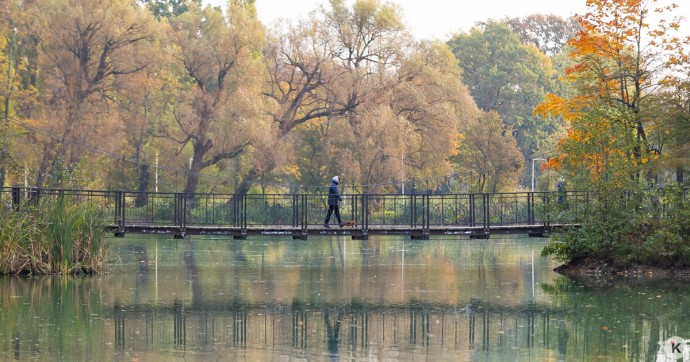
x=361 y=93
x=621 y=135
x=218 y=106
x=144 y=102
x=17 y=86
x=488 y=153
x=82 y=49
x=620 y=57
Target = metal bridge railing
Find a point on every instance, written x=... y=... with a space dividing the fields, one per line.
x=420 y=211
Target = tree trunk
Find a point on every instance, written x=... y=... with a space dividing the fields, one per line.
x=45 y=162
x=142 y=196
x=195 y=168
x=247 y=183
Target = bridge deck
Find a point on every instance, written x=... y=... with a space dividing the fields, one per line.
x=356 y=232
x=302 y=215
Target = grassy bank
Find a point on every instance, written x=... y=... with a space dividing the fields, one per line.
x=57 y=237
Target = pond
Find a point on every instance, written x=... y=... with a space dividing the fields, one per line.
x=333 y=298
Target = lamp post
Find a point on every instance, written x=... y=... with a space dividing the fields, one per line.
x=533 y=160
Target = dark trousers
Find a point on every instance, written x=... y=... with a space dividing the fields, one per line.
x=330 y=211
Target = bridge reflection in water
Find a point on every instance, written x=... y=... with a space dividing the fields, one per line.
x=354 y=330
x=201 y=299
x=302 y=215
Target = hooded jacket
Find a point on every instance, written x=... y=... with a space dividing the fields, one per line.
x=333 y=194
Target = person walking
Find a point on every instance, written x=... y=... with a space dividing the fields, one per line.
x=333 y=202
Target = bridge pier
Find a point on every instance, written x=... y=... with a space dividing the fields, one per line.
x=300 y=235
x=420 y=236
x=480 y=236
x=364 y=235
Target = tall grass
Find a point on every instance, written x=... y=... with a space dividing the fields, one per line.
x=57 y=237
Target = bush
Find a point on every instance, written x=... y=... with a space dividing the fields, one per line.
x=624 y=228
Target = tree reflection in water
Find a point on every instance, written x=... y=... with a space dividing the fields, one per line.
x=337 y=300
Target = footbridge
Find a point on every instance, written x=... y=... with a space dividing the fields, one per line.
x=476 y=215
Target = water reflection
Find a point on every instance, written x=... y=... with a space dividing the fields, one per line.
x=335 y=299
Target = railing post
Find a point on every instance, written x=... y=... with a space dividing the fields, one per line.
x=365 y=214
x=427 y=216
x=530 y=208
x=304 y=214
x=120 y=213
x=295 y=210
x=244 y=214
x=473 y=214
x=548 y=210
x=180 y=214
x=413 y=209
x=486 y=201
x=16 y=198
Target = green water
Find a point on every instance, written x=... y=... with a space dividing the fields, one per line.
x=386 y=299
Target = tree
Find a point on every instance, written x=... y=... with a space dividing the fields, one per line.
x=620 y=128
x=489 y=154
x=620 y=57
x=549 y=33
x=363 y=98
x=16 y=95
x=83 y=46
x=218 y=107
x=145 y=100
x=505 y=76
x=169 y=8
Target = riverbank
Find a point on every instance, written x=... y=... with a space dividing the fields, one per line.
x=599 y=267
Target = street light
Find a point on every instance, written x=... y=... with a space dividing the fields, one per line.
x=535 y=159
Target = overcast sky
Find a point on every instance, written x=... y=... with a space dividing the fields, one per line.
x=438 y=19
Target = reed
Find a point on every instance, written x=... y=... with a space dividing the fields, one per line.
x=57 y=237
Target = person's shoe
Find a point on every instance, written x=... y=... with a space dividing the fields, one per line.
x=341 y=224
x=326 y=225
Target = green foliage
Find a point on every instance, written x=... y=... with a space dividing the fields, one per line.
x=549 y=33
x=57 y=237
x=508 y=77
x=168 y=8
x=624 y=228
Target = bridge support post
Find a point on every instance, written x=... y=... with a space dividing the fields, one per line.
x=424 y=235
x=300 y=235
x=480 y=236
x=364 y=235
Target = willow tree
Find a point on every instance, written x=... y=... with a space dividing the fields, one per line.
x=363 y=98
x=144 y=100
x=219 y=101
x=83 y=48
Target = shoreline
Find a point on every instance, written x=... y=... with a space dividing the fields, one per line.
x=587 y=268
